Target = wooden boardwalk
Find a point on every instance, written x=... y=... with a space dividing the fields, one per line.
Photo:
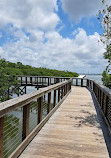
x=72 y=132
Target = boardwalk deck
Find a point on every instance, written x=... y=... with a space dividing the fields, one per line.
x=72 y=132
x=81 y=76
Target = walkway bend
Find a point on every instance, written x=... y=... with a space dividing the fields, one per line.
x=72 y=132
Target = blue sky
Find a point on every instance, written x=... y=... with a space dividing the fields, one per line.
x=89 y=24
x=55 y=34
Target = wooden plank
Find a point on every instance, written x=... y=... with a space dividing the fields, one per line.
x=26 y=110
x=1 y=136
x=73 y=131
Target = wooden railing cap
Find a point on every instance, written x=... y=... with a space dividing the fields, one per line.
x=12 y=104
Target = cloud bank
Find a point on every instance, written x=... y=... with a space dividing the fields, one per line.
x=77 y=9
x=30 y=28
x=83 y=53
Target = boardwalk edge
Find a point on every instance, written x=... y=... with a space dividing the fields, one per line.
x=29 y=138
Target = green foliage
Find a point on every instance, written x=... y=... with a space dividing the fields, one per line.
x=8 y=70
x=106 y=79
x=18 y=68
x=105 y=19
x=7 y=80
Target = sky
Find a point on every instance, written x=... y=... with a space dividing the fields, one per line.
x=56 y=34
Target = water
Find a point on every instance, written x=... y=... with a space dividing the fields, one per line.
x=95 y=77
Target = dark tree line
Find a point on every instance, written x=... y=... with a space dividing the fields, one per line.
x=9 y=70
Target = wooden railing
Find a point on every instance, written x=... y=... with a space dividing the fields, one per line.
x=42 y=81
x=21 y=118
x=103 y=96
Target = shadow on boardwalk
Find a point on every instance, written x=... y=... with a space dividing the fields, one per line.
x=106 y=134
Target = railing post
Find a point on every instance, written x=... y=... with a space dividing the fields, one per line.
x=37 y=80
x=25 y=89
x=87 y=83
x=49 y=103
x=61 y=92
x=81 y=82
x=42 y=81
x=106 y=105
x=67 y=87
x=93 y=87
x=70 y=85
x=102 y=100
x=54 y=98
x=1 y=136
x=48 y=81
x=26 y=110
x=64 y=90
x=26 y=80
x=58 y=94
x=40 y=107
x=76 y=82
x=31 y=80
x=100 y=97
x=21 y=80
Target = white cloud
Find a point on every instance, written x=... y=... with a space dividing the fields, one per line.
x=82 y=53
x=77 y=9
x=43 y=46
x=30 y=14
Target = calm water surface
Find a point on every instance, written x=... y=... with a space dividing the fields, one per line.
x=95 y=77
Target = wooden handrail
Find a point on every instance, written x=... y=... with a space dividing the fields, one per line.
x=12 y=104
x=103 y=88
x=61 y=89
x=25 y=101
x=103 y=97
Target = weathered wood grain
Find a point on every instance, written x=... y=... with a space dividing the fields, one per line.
x=72 y=132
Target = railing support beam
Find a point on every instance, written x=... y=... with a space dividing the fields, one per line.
x=26 y=110
x=49 y=103
x=40 y=107
x=54 y=98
